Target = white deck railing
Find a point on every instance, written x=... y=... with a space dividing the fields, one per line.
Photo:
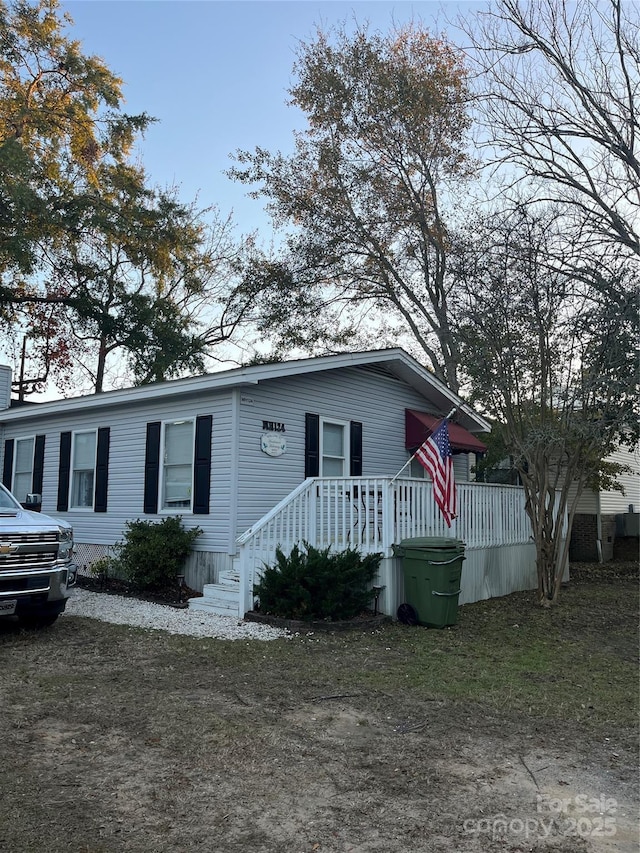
x=374 y=513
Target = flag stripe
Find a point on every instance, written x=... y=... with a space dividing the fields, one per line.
x=436 y=457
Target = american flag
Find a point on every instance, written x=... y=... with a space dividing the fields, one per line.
x=435 y=455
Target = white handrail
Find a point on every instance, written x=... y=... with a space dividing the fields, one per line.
x=259 y=525
x=373 y=513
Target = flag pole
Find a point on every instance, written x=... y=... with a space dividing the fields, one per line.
x=410 y=460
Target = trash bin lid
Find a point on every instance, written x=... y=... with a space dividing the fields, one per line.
x=432 y=542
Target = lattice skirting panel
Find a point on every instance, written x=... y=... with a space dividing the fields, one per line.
x=86 y=554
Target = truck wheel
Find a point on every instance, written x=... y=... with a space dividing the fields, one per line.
x=34 y=621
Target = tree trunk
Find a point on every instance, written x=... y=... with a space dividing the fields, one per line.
x=547 y=511
x=102 y=359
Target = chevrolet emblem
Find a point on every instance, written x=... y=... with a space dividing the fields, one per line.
x=8 y=548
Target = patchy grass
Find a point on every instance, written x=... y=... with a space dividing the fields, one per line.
x=119 y=739
x=574 y=662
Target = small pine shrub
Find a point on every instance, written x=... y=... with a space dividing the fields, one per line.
x=152 y=554
x=315 y=584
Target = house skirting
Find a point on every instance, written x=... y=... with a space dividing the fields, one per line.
x=486 y=573
x=201 y=567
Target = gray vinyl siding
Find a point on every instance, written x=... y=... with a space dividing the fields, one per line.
x=346 y=394
x=462 y=464
x=587 y=503
x=377 y=401
x=126 y=466
x=614 y=502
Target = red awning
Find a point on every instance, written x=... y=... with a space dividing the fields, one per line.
x=420 y=425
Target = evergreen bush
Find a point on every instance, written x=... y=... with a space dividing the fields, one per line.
x=152 y=554
x=314 y=584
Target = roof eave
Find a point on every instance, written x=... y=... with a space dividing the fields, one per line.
x=397 y=360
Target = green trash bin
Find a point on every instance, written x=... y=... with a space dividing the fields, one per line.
x=432 y=568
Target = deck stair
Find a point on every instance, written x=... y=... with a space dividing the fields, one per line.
x=370 y=514
x=222 y=598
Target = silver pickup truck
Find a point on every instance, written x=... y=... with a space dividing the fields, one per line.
x=36 y=563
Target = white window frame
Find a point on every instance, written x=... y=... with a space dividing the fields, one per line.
x=346 y=446
x=15 y=471
x=73 y=470
x=173 y=510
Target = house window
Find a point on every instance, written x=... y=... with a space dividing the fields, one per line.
x=334 y=452
x=461 y=468
x=83 y=470
x=332 y=448
x=23 y=467
x=177 y=467
x=417 y=470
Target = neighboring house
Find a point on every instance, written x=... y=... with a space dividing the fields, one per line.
x=276 y=453
x=607 y=523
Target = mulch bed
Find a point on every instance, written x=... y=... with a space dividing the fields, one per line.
x=173 y=597
x=364 y=622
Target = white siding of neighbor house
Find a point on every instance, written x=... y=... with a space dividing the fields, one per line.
x=259 y=481
x=614 y=502
x=5 y=386
x=587 y=503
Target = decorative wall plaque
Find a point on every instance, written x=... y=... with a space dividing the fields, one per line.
x=273 y=443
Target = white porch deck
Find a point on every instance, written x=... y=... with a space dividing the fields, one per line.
x=373 y=514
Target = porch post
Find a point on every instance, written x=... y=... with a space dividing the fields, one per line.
x=388 y=525
x=245 y=592
x=312 y=513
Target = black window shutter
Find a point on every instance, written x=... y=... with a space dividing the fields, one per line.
x=355 y=449
x=311 y=445
x=102 y=470
x=38 y=465
x=7 y=465
x=202 y=466
x=63 y=472
x=152 y=467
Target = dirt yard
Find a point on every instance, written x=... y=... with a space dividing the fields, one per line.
x=514 y=731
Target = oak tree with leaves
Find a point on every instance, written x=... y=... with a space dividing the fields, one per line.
x=366 y=196
x=95 y=262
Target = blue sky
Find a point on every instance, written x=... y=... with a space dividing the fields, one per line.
x=215 y=75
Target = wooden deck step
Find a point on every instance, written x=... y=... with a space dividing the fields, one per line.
x=218 y=598
x=230 y=577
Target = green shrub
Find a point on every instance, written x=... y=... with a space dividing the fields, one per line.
x=314 y=584
x=101 y=568
x=152 y=554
